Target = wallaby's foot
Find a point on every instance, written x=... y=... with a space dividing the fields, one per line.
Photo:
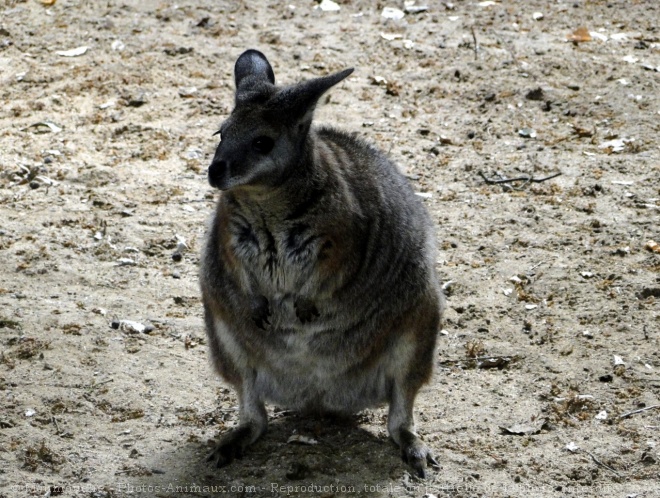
x=231 y=446
x=416 y=454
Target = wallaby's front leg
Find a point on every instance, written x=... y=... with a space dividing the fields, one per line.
x=253 y=422
x=401 y=426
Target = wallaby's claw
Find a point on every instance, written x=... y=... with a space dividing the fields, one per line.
x=230 y=447
x=416 y=454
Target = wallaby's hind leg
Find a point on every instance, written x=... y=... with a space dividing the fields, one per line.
x=401 y=426
x=414 y=371
x=252 y=413
x=253 y=422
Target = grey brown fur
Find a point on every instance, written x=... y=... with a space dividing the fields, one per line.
x=318 y=276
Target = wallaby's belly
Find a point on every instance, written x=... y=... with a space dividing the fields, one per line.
x=299 y=380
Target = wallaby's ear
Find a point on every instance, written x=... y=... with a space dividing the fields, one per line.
x=299 y=100
x=252 y=68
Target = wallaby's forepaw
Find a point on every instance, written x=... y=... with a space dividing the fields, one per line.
x=306 y=311
x=417 y=454
x=231 y=446
x=261 y=312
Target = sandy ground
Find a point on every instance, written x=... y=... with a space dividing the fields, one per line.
x=551 y=336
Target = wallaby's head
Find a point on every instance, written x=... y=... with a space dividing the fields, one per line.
x=263 y=138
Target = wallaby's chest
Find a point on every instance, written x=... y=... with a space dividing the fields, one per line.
x=277 y=257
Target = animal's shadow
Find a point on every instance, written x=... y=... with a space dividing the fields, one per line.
x=328 y=454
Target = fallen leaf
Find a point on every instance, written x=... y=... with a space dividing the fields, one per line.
x=524 y=429
x=44 y=127
x=392 y=13
x=494 y=362
x=298 y=439
x=652 y=246
x=411 y=8
x=572 y=447
x=390 y=36
x=602 y=415
x=625 y=183
x=579 y=35
x=74 y=52
x=619 y=36
x=616 y=145
x=328 y=6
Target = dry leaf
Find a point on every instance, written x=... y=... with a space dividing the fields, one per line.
x=74 y=52
x=652 y=246
x=297 y=438
x=524 y=429
x=47 y=3
x=328 y=6
x=579 y=35
x=572 y=447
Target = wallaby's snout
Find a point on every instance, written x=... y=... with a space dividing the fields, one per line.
x=218 y=173
x=247 y=153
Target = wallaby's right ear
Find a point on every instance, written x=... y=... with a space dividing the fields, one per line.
x=252 y=68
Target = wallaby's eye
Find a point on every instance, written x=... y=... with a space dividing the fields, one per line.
x=263 y=144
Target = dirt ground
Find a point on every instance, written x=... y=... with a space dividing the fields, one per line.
x=551 y=336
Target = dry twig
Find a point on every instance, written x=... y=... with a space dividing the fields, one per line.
x=57 y=427
x=598 y=462
x=476 y=44
x=527 y=179
x=639 y=411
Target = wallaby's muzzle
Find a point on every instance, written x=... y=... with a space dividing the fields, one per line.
x=218 y=174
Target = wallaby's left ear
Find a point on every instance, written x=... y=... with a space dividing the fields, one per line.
x=299 y=101
x=251 y=69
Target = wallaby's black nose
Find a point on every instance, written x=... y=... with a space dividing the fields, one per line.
x=218 y=172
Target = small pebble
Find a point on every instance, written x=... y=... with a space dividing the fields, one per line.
x=535 y=94
x=34 y=185
x=176 y=274
x=176 y=257
x=137 y=100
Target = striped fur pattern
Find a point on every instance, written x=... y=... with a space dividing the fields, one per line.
x=318 y=277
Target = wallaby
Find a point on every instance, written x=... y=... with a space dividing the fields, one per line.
x=318 y=277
